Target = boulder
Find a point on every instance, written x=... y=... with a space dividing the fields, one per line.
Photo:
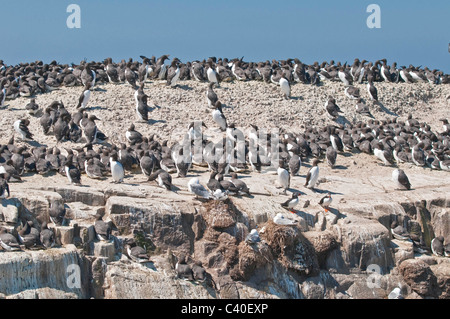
x=10 y=210
x=104 y=250
x=323 y=243
x=60 y=269
x=403 y=249
x=363 y=242
x=418 y=275
x=74 y=193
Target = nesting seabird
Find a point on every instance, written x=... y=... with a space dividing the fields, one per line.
x=133 y=136
x=211 y=74
x=184 y=271
x=199 y=272
x=57 y=212
x=437 y=246
x=4 y=187
x=32 y=107
x=352 y=92
x=399 y=232
x=8 y=241
x=418 y=155
x=362 y=108
x=137 y=253
x=240 y=185
x=198 y=189
x=279 y=219
x=102 y=228
x=46 y=236
x=253 y=237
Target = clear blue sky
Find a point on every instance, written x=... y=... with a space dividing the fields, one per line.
x=412 y=32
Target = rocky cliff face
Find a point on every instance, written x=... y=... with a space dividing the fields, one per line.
x=335 y=254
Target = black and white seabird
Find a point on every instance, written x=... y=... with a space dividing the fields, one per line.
x=61 y=129
x=137 y=253
x=173 y=73
x=285 y=88
x=130 y=76
x=141 y=104
x=21 y=127
x=32 y=107
x=102 y=228
x=295 y=163
x=8 y=242
x=331 y=155
x=28 y=235
x=326 y=201
x=399 y=177
x=284 y=178
x=117 y=170
x=211 y=96
x=88 y=76
x=57 y=212
x=2 y=97
x=219 y=117
x=211 y=74
x=164 y=179
x=332 y=109
x=352 y=92
x=362 y=108
x=133 y=136
x=292 y=202
x=313 y=175
x=240 y=185
x=437 y=246
x=345 y=77
x=399 y=232
x=372 y=90
x=72 y=172
x=46 y=236
x=111 y=71
x=384 y=154
x=83 y=100
x=4 y=187
x=93 y=168
x=199 y=272
x=418 y=155
x=184 y=271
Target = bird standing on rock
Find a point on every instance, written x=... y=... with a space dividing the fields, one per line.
x=326 y=201
x=292 y=202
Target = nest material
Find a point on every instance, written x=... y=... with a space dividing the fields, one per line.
x=218 y=214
